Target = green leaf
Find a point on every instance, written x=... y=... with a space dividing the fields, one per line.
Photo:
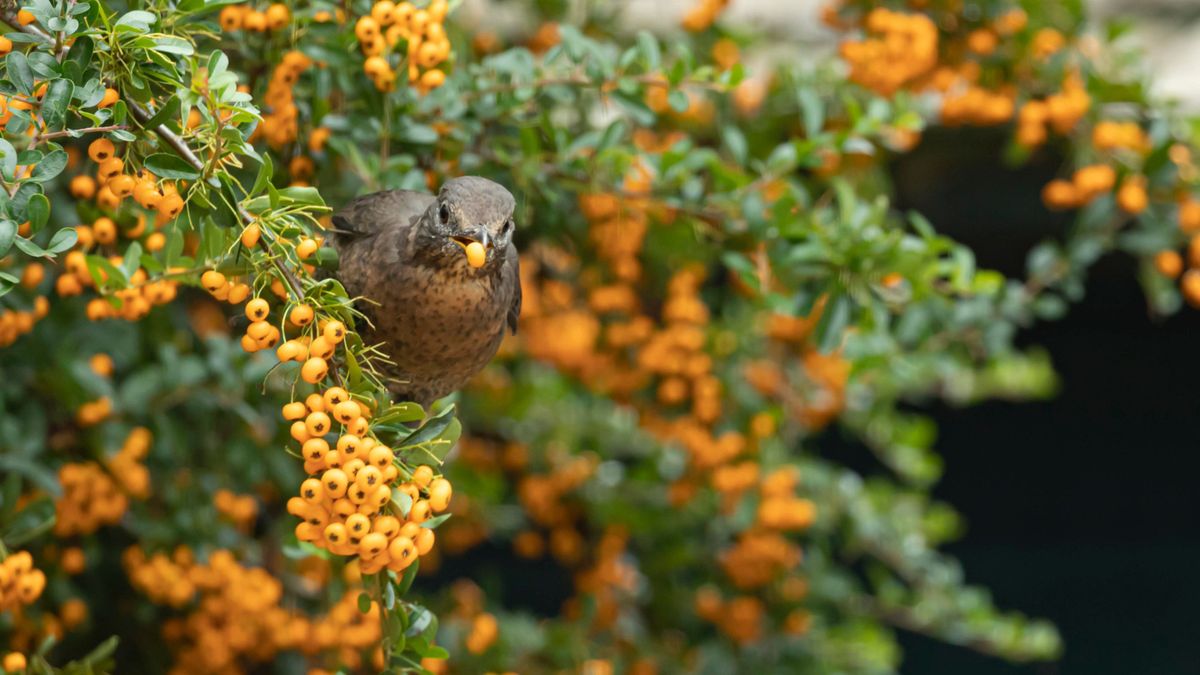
x=80 y=54
x=37 y=211
x=833 y=322
x=138 y=21
x=364 y=603
x=55 y=102
x=63 y=240
x=50 y=166
x=165 y=165
x=165 y=112
x=19 y=72
x=8 y=233
x=8 y=158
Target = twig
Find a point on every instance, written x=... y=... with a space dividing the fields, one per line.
x=73 y=132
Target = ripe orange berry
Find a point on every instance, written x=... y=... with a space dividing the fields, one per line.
x=111 y=96
x=101 y=364
x=237 y=294
x=298 y=430
x=346 y=412
x=422 y=476
x=170 y=206
x=105 y=230
x=82 y=187
x=231 y=18
x=402 y=551
x=1190 y=285
x=100 y=150
x=334 y=332
x=440 y=492
x=335 y=483
x=257 y=309
x=372 y=545
x=14 y=662
x=380 y=456
x=424 y=540
x=321 y=347
x=5 y=45
x=294 y=411
x=432 y=79
x=306 y=248
x=250 y=235
x=314 y=402
x=358 y=525
x=366 y=29
x=254 y=21
x=110 y=168
x=476 y=254
x=317 y=423
x=122 y=186
x=301 y=315
x=291 y=351
x=146 y=193
x=278 y=16
x=25 y=17
x=156 y=241
x=258 y=330
x=368 y=477
x=314 y=370
x=312 y=491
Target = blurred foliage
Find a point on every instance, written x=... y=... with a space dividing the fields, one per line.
x=714 y=281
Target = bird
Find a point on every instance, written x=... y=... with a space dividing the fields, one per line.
x=438 y=318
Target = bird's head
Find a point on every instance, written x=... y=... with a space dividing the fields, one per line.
x=470 y=209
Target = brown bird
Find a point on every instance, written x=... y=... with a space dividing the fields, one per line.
x=439 y=319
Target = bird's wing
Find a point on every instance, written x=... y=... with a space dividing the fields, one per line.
x=371 y=235
x=514 y=310
x=368 y=215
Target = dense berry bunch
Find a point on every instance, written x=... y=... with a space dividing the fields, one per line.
x=20 y=582
x=401 y=32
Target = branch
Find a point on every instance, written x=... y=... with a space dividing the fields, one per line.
x=180 y=146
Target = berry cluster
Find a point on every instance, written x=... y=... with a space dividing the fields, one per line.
x=20 y=582
x=427 y=46
x=95 y=495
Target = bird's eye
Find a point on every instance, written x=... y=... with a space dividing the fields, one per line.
x=508 y=226
x=444 y=213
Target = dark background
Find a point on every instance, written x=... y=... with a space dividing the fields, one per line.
x=1081 y=509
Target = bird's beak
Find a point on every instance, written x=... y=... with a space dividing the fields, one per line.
x=480 y=235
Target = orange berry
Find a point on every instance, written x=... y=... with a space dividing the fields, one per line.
x=1168 y=263
x=402 y=551
x=110 y=168
x=476 y=254
x=111 y=96
x=440 y=492
x=100 y=150
x=122 y=186
x=294 y=411
x=314 y=370
x=306 y=248
x=250 y=235
x=334 y=332
x=231 y=18
x=212 y=281
x=366 y=29
x=82 y=187
x=317 y=423
x=258 y=309
x=346 y=412
x=301 y=315
x=278 y=16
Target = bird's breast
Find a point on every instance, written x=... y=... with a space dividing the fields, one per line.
x=441 y=318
